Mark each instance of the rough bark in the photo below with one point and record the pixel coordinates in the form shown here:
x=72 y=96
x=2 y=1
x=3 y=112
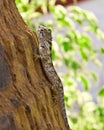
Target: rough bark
x=25 y=95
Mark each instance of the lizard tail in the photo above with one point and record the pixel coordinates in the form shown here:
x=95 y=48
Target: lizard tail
x=61 y=96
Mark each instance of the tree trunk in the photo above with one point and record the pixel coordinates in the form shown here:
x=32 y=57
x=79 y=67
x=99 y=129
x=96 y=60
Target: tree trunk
x=25 y=95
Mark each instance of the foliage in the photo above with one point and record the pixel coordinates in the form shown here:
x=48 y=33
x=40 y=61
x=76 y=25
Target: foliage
x=74 y=51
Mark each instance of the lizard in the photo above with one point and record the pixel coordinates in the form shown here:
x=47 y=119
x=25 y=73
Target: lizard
x=45 y=53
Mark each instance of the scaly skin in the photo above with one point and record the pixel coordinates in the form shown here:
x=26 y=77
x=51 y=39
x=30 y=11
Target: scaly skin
x=45 y=52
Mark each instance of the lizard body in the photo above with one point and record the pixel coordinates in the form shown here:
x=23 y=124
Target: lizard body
x=45 y=45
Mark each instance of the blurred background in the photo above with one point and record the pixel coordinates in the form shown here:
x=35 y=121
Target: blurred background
x=78 y=53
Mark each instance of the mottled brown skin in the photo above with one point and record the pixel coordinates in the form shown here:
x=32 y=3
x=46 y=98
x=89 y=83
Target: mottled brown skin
x=45 y=52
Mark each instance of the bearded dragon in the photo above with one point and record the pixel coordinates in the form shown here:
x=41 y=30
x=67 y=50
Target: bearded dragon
x=45 y=52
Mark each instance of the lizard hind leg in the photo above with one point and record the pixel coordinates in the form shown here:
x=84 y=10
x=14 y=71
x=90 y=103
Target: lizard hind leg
x=55 y=96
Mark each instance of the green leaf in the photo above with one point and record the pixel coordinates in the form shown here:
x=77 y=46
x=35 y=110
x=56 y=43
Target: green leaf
x=74 y=120
x=63 y=22
x=84 y=55
x=85 y=82
x=76 y=10
x=74 y=36
x=75 y=65
x=67 y=45
x=94 y=75
x=84 y=41
x=100 y=112
x=66 y=98
x=67 y=61
x=102 y=50
x=58 y=11
x=53 y=55
x=101 y=92
x=69 y=83
x=59 y=38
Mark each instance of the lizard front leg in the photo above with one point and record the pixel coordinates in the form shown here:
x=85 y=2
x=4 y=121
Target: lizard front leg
x=38 y=56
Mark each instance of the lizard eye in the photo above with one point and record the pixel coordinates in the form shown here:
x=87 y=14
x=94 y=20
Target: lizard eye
x=42 y=47
x=49 y=30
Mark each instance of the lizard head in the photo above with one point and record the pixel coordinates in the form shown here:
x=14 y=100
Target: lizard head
x=44 y=33
x=45 y=39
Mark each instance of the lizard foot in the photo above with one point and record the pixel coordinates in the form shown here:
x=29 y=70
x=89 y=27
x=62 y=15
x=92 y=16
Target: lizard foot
x=37 y=56
x=55 y=100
